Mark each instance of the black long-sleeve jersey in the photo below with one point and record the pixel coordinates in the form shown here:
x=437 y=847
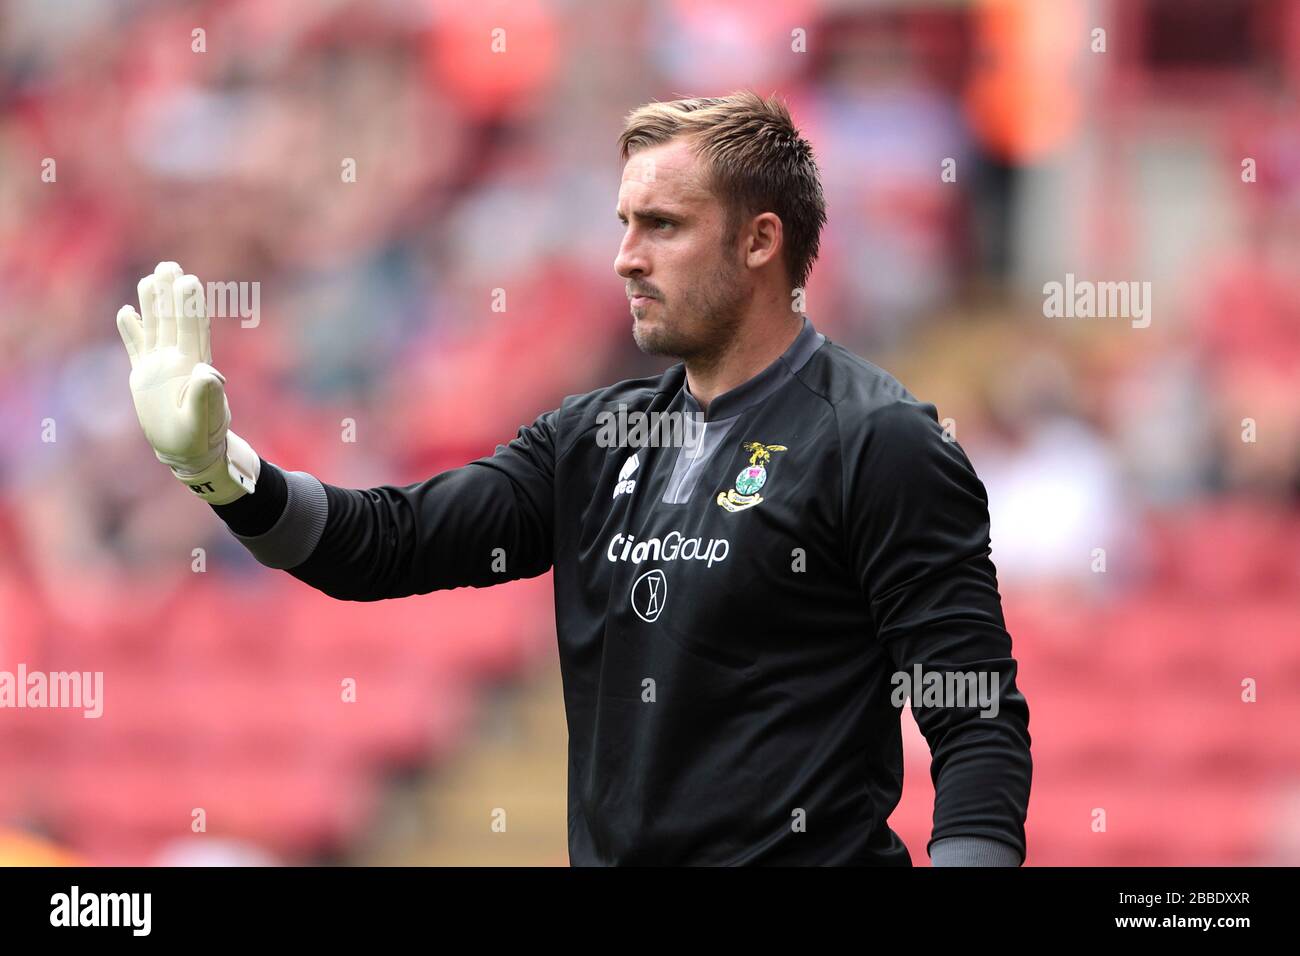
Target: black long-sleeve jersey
x=738 y=596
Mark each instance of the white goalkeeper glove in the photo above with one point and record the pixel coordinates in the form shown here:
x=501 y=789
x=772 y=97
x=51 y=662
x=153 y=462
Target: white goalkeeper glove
x=180 y=398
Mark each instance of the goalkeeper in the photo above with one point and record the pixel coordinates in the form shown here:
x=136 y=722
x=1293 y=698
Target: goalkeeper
x=740 y=618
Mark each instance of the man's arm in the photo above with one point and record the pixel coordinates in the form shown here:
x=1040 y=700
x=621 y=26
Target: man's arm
x=919 y=533
x=486 y=523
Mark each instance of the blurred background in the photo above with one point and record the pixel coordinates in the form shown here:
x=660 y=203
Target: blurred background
x=971 y=152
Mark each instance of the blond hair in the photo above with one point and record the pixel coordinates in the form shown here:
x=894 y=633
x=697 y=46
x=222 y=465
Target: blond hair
x=757 y=163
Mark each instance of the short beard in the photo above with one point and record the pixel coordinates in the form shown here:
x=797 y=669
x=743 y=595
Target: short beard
x=718 y=306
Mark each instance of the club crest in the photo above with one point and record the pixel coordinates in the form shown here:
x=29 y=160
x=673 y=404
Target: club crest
x=751 y=478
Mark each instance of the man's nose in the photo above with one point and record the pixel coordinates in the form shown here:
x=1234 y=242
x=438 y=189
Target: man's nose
x=630 y=261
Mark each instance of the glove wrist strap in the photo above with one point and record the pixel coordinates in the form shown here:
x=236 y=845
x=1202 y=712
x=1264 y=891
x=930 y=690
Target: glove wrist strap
x=233 y=474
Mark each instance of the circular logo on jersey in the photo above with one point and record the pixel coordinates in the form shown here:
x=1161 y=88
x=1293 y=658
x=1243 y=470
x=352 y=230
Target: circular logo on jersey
x=750 y=479
x=649 y=592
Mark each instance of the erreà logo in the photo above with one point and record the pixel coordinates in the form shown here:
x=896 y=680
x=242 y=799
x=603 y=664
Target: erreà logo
x=626 y=485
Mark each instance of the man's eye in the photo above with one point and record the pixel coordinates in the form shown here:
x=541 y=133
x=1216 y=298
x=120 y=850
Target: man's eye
x=660 y=223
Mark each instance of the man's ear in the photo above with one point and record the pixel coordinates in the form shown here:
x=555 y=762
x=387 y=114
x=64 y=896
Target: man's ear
x=765 y=236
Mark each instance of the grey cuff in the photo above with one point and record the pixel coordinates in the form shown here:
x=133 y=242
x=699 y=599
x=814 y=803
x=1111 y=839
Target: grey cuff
x=294 y=536
x=972 y=851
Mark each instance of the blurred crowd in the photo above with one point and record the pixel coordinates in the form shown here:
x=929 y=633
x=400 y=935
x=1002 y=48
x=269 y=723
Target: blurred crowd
x=382 y=168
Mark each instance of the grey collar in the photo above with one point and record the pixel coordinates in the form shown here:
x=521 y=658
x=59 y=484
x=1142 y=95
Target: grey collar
x=733 y=402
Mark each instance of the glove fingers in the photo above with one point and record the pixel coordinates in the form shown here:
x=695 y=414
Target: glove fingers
x=132 y=332
x=165 y=276
x=148 y=292
x=192 y=334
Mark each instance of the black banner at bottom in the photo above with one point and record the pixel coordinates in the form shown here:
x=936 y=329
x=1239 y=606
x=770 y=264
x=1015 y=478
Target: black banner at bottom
x=369 y=905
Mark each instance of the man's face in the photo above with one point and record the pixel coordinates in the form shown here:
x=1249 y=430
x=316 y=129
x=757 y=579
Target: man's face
x=687 y=291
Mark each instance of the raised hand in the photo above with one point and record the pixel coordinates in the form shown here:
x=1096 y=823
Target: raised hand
x=179 y=397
